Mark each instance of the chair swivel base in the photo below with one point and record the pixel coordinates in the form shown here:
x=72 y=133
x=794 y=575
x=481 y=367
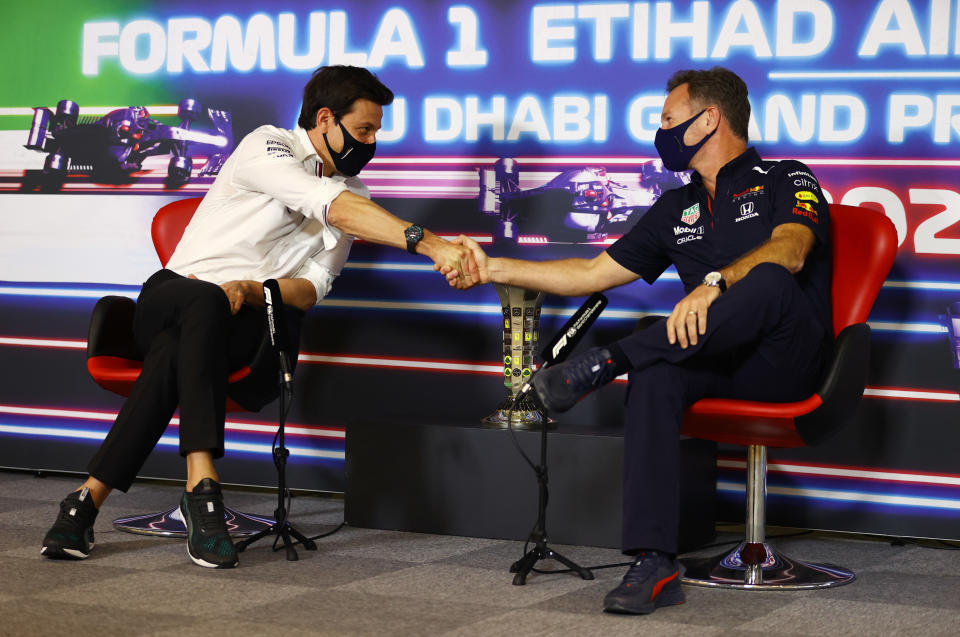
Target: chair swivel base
x=769 y=570
x=170 y=523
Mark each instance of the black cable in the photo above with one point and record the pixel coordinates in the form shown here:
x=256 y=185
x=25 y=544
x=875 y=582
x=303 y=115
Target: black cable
x=590 y=568
x=329 y=533
x=699 y=548
x=286 y=402
x=927 y=543
x=535 y=467
x=513 y=433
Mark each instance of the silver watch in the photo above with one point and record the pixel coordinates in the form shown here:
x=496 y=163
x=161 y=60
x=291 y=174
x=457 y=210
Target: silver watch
x=715 y=280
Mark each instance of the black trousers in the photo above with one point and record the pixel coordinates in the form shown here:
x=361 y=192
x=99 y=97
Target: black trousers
x=763 y=342
x=190 y=342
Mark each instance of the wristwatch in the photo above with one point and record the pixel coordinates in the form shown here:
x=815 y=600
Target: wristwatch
x=715 y=280
x=413 y=235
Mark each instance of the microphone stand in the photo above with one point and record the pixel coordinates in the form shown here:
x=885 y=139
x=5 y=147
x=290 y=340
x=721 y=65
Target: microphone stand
x=282 y=527
x=541 y=550
x=555 y=352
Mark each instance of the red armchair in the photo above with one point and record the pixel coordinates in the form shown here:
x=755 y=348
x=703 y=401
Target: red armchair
x=864 y=247
x=114 y=364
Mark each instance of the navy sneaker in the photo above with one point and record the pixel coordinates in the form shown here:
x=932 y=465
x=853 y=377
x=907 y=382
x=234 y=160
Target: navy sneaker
x=71 y=536
x=653 y=581
x=208 y=542
x=559 y=388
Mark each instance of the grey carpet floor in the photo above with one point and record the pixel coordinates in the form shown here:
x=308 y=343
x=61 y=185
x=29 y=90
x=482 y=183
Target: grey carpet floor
x=373 y=582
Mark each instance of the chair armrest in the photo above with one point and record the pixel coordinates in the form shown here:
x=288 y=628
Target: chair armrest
x=111 y=328
x=842 y=387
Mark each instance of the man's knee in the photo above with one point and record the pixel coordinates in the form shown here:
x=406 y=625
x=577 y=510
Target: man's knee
x=769 y=275
x=208 y=299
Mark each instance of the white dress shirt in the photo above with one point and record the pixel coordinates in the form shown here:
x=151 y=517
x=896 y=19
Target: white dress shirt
x=265 y=216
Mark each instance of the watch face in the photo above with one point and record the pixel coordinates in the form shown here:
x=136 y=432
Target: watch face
x=413 y=235
x=713 y=278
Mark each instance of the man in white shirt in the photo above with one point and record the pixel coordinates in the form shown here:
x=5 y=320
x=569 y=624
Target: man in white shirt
x=286 y=205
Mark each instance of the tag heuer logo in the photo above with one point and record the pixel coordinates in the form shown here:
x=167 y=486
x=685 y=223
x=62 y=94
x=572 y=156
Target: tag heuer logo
x=691 y=214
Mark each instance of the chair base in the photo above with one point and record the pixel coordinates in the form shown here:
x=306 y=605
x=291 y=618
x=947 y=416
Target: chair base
x=774 y=571
x=169 y=523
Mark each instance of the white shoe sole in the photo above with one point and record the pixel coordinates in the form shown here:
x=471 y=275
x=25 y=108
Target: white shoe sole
x=197 y=560
x=72 y=553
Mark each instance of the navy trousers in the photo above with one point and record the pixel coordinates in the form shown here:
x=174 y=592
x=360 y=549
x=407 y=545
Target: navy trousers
x=190 y=342
x=763 y=342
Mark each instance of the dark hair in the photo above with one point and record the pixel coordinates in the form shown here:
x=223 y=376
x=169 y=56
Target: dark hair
x=337 y=88
x=718 y=87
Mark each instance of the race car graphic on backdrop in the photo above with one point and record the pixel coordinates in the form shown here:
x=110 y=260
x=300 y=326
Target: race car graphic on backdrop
x=111 y=148
x=592 y=204
x=951 y=325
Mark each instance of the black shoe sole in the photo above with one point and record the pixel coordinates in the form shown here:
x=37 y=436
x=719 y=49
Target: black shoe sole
x=664 y=599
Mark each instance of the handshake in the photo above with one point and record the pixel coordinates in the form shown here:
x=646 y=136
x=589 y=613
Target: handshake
x=462 y=262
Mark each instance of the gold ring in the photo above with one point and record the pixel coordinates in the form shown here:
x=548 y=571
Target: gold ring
x=691 y=312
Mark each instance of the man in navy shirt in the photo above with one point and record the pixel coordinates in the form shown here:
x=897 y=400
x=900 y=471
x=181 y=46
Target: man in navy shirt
x=750 y=241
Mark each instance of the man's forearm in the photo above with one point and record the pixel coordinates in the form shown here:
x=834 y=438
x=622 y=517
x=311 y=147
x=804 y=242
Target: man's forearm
x=299 y=293
x=366 y=220
x=788 y=246
x=566 y=277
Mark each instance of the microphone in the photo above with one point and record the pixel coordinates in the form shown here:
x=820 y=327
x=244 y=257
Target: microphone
x=570 y=334
x=277 y=329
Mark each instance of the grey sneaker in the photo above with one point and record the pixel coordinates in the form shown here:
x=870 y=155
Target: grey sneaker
x=71 y=536
x=559 y=388
x=208 y=542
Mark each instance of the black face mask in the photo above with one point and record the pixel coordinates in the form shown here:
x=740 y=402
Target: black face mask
x=354 y=156
x=675 y=154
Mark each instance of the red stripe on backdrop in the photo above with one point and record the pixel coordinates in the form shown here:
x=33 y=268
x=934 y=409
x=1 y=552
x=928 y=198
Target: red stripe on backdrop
x=875 y=474
x=232 y=424
x=484 y=368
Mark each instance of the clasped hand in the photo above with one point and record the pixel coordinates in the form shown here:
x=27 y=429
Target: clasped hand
x=476 y=271
x=458 y=264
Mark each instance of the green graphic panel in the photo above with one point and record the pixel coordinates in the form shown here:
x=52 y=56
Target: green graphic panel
x=42 y=46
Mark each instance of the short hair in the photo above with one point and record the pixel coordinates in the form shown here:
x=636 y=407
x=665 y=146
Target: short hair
x=720 y=87
x=337 y=88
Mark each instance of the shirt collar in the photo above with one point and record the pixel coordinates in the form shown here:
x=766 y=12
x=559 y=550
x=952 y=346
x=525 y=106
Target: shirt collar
x=304 y=147
x=736 y=167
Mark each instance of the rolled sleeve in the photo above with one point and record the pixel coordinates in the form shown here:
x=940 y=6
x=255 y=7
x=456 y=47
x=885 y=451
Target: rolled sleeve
x=319 y=276
x=325 y=266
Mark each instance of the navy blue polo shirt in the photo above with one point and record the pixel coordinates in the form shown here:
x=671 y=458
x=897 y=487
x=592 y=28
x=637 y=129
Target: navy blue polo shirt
x=700 y=234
